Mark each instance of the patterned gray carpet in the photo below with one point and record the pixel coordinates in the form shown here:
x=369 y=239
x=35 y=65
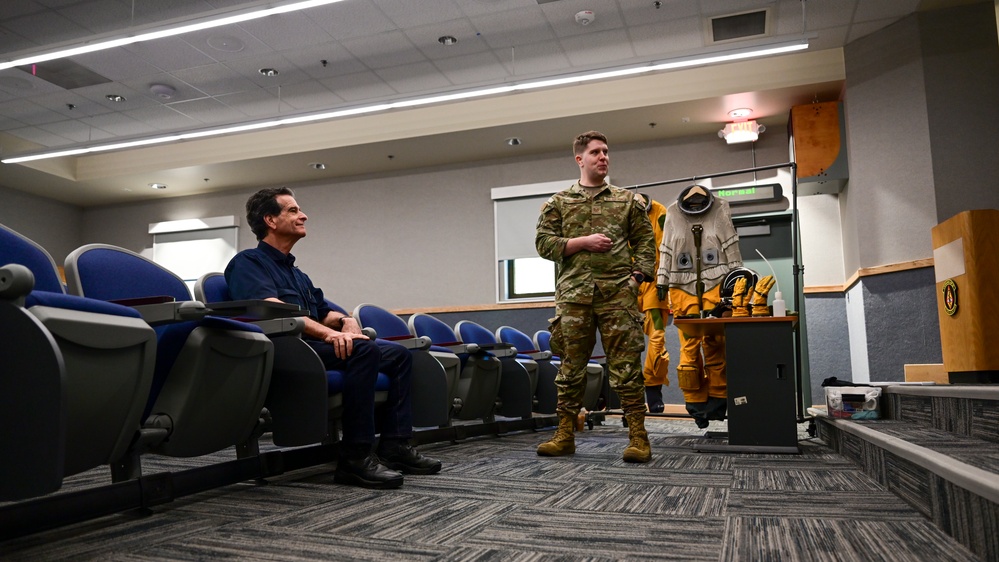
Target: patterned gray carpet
x=497 y=500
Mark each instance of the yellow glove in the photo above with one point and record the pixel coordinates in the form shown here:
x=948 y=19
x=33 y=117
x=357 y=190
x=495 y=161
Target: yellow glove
x=740 y=300
x=760 y=294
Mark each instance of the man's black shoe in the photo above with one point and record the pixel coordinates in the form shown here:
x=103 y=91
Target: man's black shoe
x=366 y=472
x=399 y=455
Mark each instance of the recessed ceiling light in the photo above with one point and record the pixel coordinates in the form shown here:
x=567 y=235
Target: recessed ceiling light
x=317 y=165
x=447 y=40
x=158 y=185
x=115 y=97
x=513 y=141
x=268 y=71
x=740 y=113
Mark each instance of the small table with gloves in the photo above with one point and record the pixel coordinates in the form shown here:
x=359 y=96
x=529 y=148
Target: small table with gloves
x=759 y=352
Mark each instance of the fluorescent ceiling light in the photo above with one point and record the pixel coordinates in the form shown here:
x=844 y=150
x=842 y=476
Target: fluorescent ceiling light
x=713 y=58
x=165 y=32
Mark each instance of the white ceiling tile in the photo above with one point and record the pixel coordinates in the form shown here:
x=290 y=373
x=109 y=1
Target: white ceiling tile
x=58 y=102
x=47 y=27
x=250 y=69
x=534 y=59
x=74 y=131
x=384 y=50
x=215 y=79
x=309 y=59
x=133 y=98
x=41 y=136
x=357 y=18
x=257 y=104
x=473 y=69
x=182 y=90
x=479 y=7
x=510 y=29
x=100 y=16
x=29 y=112
x=117 y=64
x=411 y=78
x=231 y=42
x=169 y=53
x=598 y=49
x=711 y=8
x=663 y=39
x=407 y=13
x=643 y=12
x=308 y=95
x=359 y=86
x=426 y=39
x=208 y=110
x=290 y=31
x=163 y=118
x=121 y=125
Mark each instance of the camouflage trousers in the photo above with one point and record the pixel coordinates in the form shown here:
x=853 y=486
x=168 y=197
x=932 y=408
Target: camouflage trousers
x=620 y=324
x=701 y=370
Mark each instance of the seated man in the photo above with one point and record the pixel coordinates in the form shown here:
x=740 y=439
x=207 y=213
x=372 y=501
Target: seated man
x=268 y=272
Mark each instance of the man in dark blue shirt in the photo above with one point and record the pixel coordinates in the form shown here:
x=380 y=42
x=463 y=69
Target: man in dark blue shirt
x=268 y=272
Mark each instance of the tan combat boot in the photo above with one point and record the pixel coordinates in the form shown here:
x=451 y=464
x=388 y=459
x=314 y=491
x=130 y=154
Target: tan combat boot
x=563 y=442
x=639 y=449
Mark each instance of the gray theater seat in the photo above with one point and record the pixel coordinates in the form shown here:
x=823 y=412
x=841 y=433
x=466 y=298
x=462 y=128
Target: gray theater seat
x=212 y=373
x=76 y=374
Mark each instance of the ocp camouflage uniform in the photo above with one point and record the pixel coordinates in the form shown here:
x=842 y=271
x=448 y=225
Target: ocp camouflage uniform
x=596 y=290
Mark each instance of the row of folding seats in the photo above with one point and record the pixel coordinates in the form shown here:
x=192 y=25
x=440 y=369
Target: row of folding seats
x=94 y=382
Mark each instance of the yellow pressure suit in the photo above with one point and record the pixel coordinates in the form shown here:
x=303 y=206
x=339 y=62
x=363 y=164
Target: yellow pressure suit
x=701 y=371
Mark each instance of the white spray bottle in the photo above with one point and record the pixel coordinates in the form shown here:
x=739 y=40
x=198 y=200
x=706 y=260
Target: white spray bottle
x=780 y=308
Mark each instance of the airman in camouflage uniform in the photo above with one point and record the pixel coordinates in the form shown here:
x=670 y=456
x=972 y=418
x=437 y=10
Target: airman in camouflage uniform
x=603 y=246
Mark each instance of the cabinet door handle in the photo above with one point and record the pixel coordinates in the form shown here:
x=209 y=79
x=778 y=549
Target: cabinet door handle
x=780 y=371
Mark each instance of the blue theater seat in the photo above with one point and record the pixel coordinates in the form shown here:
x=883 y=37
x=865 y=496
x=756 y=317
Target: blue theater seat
x=436 y=370
x=594 y=371
x=212 y=373
x=297 y=398
x=519 y=378
x=476 y=392
x=75 y=378
x=546 y=395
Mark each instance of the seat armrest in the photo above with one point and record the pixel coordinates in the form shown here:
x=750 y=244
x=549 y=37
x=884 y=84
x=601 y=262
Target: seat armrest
x=257 y=309
x=538 y=355
x=16 y=281
x=499 y=349
x=411 y=342
x=294 y=326
x=170 y=312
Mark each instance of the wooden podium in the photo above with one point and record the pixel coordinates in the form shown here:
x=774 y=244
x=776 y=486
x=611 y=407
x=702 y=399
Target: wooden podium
x=966 y=263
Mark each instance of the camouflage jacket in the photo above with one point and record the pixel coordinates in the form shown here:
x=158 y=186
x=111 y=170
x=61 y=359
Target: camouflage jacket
x=613 y=212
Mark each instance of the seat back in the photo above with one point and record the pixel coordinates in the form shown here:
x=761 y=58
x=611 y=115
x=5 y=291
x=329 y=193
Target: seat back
x=516 y=338
x=211 y=287
x=542 y=340
x=15 y=248
x=428 y=326
x=385 y=323
x=106 y=272
x=105 y=355
x=211 y=375
x=470 y=332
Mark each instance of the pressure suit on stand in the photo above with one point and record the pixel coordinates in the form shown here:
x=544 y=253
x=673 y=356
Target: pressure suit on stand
x=699 y=248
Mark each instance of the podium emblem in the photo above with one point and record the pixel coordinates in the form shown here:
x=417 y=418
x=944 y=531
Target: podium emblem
x=950 y=297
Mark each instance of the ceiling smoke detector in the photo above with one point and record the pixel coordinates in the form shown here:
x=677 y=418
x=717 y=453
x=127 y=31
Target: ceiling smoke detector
x=163 y=91
x=585 y=17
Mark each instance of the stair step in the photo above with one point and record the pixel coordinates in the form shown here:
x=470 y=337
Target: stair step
x=971 y=411
x=951 y=477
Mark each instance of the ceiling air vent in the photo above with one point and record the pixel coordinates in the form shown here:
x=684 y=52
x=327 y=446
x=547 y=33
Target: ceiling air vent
x=738 y=26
